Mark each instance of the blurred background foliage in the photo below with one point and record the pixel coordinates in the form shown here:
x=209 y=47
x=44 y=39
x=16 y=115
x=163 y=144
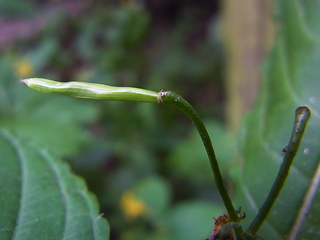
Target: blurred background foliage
x=145 y=163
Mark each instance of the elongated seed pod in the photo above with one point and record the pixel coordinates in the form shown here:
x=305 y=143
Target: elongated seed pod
x=97 y=91
x=92 y=90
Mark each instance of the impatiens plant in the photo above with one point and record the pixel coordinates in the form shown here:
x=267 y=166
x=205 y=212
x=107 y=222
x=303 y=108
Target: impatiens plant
x=231 y=226
x=41 y=199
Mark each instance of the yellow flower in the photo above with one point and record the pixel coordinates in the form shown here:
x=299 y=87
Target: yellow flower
x=23 y=68
x=132 y=206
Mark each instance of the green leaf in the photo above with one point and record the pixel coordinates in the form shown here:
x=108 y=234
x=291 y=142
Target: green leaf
x=16 y=8
x=190 y=160
x=154 y=192
x=291 y=78
x=192 y=220
x=41 y=199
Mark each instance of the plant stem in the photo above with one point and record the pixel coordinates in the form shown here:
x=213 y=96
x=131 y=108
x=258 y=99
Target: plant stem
x=301 y=119
x=171 y=98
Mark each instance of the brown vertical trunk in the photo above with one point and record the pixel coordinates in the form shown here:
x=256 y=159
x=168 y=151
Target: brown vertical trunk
x=248 y=33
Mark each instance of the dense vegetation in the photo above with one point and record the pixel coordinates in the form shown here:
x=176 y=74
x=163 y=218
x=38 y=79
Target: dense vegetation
x=145 y=163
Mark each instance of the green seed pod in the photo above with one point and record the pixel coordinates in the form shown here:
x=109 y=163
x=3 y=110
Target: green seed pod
x=92 y=90
x=98 y=91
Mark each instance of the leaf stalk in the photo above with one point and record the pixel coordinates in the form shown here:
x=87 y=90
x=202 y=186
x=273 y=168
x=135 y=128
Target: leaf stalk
x=302 y=116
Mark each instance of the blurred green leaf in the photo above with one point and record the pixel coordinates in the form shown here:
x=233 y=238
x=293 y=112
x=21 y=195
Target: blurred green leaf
x=64 y=140
x=192 y=220
x=127 y=30
x=189 y=158
x=130 y=25
x=16 y=8
x=154 y=192
x=291 y=79
x=41 y=55
x=41 y=199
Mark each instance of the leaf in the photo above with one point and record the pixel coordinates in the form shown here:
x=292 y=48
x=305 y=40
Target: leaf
x=192 y=220
x=189 y=158
x=16 y=8
x=41 y=199
x=291 y=78
x=154 y=192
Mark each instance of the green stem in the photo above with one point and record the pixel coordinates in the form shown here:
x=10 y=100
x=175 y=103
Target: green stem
x=176 y=100
x=301 y=119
